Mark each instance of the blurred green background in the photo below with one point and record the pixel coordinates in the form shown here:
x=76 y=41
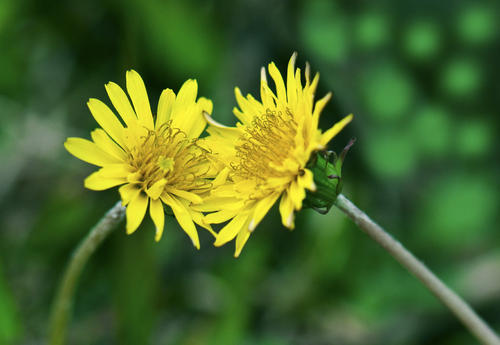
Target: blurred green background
x=421 y=78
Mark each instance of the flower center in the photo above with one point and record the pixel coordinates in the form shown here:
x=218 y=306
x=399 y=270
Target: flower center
x=166 y=153
x=266 y=145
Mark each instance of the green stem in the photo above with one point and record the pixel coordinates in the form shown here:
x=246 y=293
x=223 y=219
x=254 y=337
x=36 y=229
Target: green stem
x=449 y=298
x=64 y=299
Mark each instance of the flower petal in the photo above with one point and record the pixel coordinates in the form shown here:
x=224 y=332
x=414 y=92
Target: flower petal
x=191 y=197
x=183 y=217
x=121 y=103
x=261 y=210
x=278 y=81
x=102 y=139
x=286 y=211
x=107 y=120
x=136 y=210
x=241 y=239
x=128 y=192
x=137 y=92
x=329 y=134
x=88 y=152
x=156 y=189
x=307 y=180
x=98 y=181
x=297 y=194
x=158 y=216
x=165 y=105
x=230 y=231
x=290 y=81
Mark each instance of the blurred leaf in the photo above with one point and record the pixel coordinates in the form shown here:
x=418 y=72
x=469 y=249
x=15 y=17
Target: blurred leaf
x=180 y=36
x=10 y=325
x=135 y=286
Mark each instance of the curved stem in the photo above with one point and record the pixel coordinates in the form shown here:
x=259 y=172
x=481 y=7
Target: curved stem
x=449 y=298
x=64 y=299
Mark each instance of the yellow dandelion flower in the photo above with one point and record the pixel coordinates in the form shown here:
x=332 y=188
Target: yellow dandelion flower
x=266 y=154
x=154 y=160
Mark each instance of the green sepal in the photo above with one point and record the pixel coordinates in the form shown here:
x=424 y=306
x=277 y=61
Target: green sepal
x=326 y=167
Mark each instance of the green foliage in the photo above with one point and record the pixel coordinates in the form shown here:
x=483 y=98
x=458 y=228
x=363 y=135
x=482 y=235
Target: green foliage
x=422 y=81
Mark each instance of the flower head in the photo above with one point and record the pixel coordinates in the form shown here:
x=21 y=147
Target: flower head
x=155 y=161
x=266 y=154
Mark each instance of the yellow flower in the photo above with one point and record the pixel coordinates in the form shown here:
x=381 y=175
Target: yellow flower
x=155 y=160
x=266 y=154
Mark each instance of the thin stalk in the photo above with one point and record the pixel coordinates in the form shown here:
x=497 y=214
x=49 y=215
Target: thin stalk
x=63 y=302
x=449 y=298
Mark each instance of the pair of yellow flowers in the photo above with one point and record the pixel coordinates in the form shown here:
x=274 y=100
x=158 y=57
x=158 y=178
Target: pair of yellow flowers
x=234 y=174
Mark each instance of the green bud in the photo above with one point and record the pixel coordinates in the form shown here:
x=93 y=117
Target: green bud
x=326 y=167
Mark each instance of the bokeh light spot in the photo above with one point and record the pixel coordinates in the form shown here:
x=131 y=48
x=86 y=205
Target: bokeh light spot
x=477 y=24
x=432 y=130
x=474 y=138
x=372 y=30
x=324 y=31
x=462 y=77
x=387 y=92
x=460 y=210
x=391 y=154
x=422 y=40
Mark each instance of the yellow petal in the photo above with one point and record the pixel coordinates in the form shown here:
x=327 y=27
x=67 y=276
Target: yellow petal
x=278 y=81
x=241 y=239
x=198 y=122
x=220 y=216
x=158 y=216
x=199 y=219
x=88 y=152
x=286 y=211
x=136 y=209
x=121 y=103
x=156 y=189
x=221 y=178
x=318 y=107
x=120 y=170
x=102 y=139
x=247 y=113
x=261 y=210
x=191 y=197
x=185 y=97
x=290 y=82
x=135 y=177
x=107 y=120
x=98 y=181
x=165 y=105
x=329 y=134
x=205 y=104
x=230 y=231
x=128 y=192
x=297 y=194
x=137 y=92
x=211 y=204
x=183 y=217
x=307 y=180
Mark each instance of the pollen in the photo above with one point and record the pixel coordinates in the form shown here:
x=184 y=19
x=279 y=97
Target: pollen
x=166 y=163
x=167 y=154
x=265 y=146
